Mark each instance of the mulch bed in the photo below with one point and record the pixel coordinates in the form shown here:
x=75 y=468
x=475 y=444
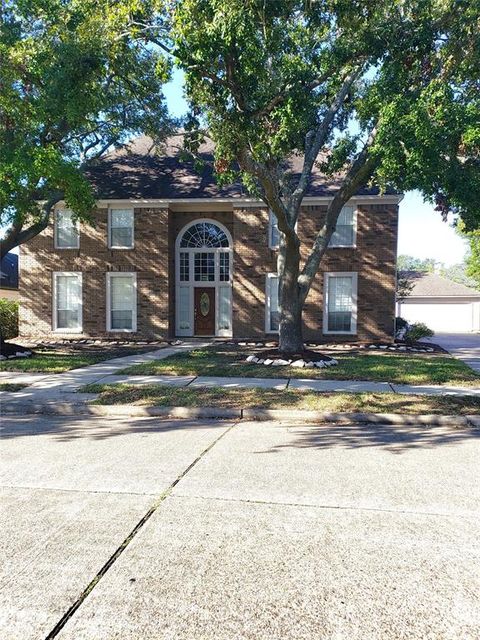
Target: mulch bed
x=308 y=355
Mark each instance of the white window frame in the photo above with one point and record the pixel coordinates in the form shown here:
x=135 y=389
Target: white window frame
x=340 y=274
x=268 y=284
x=109 y=232
x=354 y=225
x=272 y=218
x=79 y=328
x=55 y=231
x=110 y=276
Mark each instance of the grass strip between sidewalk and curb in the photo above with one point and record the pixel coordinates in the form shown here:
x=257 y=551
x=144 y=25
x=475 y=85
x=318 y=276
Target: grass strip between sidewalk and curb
x=220 y=398
x=398 y=368
x=12 y=386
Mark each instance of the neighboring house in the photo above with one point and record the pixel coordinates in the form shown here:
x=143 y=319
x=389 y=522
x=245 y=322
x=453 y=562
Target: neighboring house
x=443 y=305
x=9 y=277
x=173 y=254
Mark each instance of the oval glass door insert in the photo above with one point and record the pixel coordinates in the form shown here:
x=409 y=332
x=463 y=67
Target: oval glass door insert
x=204 y=304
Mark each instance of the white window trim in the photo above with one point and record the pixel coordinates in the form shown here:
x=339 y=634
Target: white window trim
x=55 y=275
x=55 y=232
x=268 y=280
x=354 y=243
x=114 y=274
x=109 y=231
x=191 y=283
x=335 y=274
x=271 y=217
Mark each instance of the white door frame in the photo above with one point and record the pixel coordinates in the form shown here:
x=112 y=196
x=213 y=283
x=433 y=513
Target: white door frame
x=191 y=284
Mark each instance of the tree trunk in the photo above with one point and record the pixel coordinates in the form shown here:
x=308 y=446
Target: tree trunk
x=291 y=304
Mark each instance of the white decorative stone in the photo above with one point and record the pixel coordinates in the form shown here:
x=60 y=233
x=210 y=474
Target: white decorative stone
x=298 y=363
x=429 y=349
x=252 y=359
x=242 y=344
x=268 y=361
x=280 y=362
x=309 y=365
x=3 y=357
x=260 y=361
x=402 y=348
x=320 y=364
x=21 y=354
x=383 y=346
x=333 y=362
x=372 y=346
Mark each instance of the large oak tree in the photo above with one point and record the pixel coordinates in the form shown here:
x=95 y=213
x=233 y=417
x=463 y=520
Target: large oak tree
x=383 y=92
x=76 y=78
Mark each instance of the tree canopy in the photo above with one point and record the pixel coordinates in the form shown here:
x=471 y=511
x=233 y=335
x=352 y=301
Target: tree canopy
x=382 y=92
x=76 y=77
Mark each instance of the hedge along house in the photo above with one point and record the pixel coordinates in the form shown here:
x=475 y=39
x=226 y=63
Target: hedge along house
x=172 y=254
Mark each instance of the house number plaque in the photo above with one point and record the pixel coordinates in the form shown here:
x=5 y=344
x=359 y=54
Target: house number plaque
x=204 y=304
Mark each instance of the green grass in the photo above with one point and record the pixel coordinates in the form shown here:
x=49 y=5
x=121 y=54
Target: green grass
x=399 y=368
x=10 y=386
x=157 y=395
x=58 y=360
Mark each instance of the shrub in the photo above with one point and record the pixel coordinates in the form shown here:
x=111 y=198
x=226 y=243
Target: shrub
x=8 y=318
x=417 y=331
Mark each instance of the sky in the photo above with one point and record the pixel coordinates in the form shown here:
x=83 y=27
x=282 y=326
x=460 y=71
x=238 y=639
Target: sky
x=421 y=233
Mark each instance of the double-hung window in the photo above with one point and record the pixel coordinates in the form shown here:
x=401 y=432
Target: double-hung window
x=67 y=234
x=272 y=313
x=273 y=232
x=340 y=303
x=345 y=230
x=67 y=302
x=121 y=301
x=120 y=228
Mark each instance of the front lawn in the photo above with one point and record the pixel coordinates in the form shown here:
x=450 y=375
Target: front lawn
x=11 y=386
x=362 y=365
x=65 y=358
x=157 y=395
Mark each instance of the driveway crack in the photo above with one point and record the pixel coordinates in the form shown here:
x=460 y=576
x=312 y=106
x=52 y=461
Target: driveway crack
x=121 y=548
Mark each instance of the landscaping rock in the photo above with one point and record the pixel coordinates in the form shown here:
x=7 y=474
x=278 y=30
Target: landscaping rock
x=320 y=364
x=372 y=346
x=298 y=363
x=309 y=365
x=268 y=361
x=252 y=359
x=3 y=357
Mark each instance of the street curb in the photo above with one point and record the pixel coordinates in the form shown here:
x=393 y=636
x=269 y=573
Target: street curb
x=254 y=414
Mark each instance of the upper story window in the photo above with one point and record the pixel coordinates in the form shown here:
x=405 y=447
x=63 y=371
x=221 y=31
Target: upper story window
x=67 y=302
x=120 y=228
x=67 y=234
x=345 y=232
x=273 y=232
x=204 y=235
x=340 y=303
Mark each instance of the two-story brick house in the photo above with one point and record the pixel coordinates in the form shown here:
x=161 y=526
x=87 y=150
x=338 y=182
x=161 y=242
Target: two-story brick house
x=172 y=254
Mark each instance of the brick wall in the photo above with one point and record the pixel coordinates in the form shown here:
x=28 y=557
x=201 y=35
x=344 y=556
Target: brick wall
x=149 y=259
x=153 y=259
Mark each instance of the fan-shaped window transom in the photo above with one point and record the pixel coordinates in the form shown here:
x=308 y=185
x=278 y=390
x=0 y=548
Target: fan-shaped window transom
x=204 y=234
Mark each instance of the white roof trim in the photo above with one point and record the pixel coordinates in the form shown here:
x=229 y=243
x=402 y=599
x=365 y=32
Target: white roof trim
x=236 y=202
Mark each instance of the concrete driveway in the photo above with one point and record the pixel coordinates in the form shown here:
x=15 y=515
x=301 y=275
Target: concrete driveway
x=150 y=530
x=464 y=346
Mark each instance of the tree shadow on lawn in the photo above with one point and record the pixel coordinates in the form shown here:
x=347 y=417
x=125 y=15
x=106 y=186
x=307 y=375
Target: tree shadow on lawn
x=66 y=428
x=396 y=439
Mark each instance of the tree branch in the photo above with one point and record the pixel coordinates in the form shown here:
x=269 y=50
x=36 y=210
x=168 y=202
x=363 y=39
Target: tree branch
x=360 y=171
x=315 y=140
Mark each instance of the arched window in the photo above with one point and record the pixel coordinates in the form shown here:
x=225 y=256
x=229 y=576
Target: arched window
x=204 y=234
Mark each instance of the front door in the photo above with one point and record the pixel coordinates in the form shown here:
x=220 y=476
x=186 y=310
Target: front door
x=204 y=311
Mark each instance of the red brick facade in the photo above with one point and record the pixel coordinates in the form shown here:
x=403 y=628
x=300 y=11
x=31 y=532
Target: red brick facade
x=153 y=260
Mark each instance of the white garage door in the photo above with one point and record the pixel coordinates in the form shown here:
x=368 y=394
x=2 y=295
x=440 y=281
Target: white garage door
x=448 y=317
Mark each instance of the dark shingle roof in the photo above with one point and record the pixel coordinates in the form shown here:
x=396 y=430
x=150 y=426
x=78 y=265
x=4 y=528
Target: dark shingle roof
x=140 y=172
x=9 y=271
x=431 y=285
